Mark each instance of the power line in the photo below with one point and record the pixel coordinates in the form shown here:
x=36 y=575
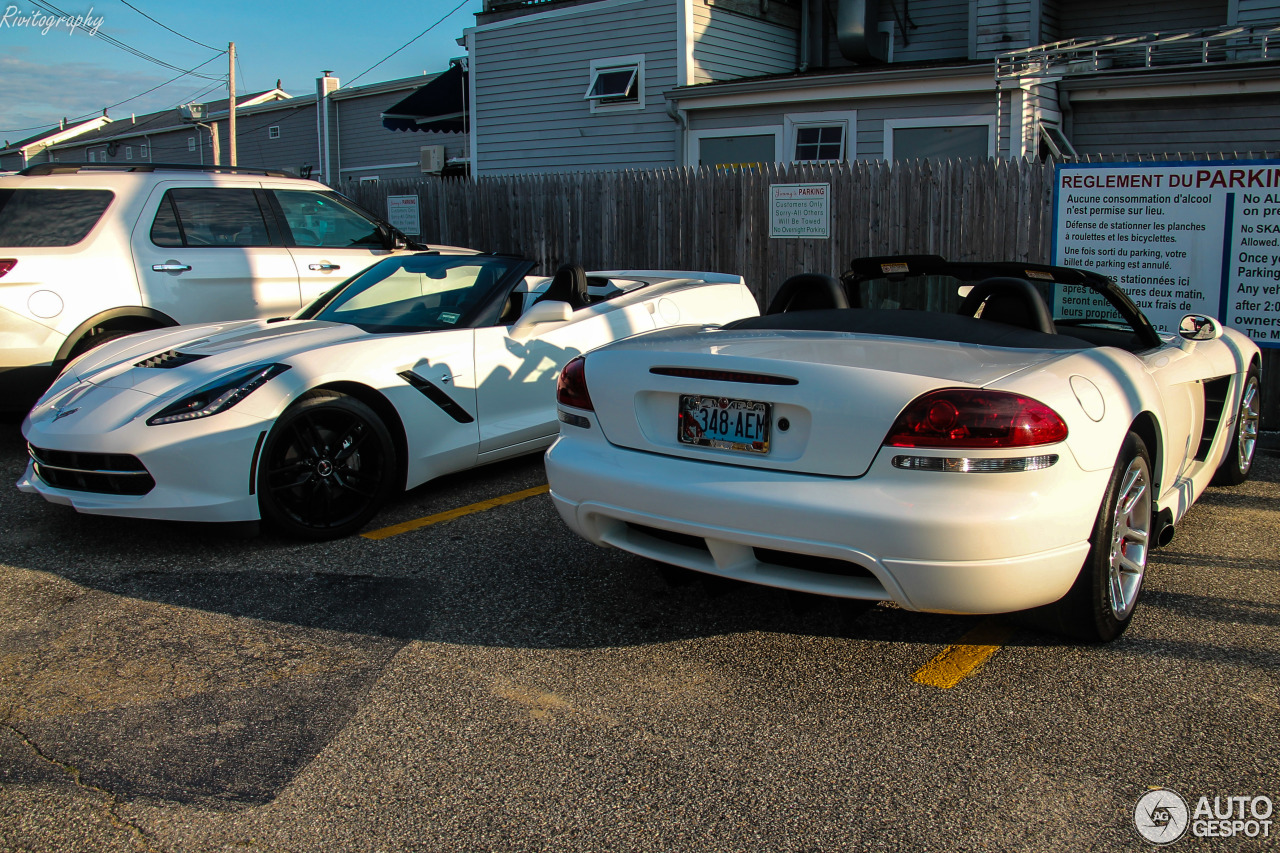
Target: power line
x=127 y=100
x=170 y=29
x=113 y=41
x=406 y=44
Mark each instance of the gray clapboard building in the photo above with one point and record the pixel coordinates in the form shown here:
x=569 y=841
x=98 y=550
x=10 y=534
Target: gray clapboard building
x=567 y=85
x=278 y=131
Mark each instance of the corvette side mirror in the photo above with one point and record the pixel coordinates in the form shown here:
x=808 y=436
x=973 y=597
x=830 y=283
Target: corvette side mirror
x=546 y=312
x=1196 y=327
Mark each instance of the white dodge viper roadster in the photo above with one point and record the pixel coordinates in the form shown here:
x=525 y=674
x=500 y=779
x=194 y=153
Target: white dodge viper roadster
x=421 y=365
x=978 y=454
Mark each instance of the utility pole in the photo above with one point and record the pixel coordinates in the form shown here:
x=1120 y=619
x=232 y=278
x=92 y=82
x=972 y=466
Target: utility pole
x=231 y=88
x=213 y=141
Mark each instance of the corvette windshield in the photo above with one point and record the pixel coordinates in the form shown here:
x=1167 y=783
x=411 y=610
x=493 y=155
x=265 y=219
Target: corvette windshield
x=415 y=293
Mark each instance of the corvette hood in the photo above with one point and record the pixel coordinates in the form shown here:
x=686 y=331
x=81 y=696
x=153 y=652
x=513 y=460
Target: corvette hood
x=832 y=396
x=161 y=362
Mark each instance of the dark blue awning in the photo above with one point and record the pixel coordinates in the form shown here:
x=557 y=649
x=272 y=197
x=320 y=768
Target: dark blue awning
x=439 y=106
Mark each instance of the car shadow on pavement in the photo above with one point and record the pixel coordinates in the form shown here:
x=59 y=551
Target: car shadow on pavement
x=169 y=661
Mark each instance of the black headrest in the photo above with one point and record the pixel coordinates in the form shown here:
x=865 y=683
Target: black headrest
x=808 y=292
x=568 y=285
x=1012 y=301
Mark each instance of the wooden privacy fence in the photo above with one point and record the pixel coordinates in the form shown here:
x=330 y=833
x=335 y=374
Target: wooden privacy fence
x=718 y=219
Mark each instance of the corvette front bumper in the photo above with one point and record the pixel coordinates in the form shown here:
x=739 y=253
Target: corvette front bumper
x=203 y=469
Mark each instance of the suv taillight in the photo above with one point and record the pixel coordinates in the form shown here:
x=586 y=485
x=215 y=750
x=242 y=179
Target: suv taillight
x=7 y=264
x=963 y=417
x=571 y=387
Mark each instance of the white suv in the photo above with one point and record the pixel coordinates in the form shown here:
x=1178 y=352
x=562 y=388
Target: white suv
x=92 y=252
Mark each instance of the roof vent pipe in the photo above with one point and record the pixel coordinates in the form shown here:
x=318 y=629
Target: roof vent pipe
x=857 y=31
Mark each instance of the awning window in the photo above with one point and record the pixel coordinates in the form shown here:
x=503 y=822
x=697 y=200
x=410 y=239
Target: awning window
x=613 y=85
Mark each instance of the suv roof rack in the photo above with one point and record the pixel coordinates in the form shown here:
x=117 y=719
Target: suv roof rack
x=71 y=168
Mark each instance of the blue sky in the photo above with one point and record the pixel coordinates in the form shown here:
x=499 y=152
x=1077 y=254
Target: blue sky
x=45 y=76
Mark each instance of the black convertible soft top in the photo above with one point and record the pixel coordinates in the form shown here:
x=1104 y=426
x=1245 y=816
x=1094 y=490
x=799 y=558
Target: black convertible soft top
x=1004 y=307
x=911 y=324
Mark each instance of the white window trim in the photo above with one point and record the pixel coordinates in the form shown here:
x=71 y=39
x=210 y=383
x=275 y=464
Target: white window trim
x=892 y=124
x=635 y=60
x=273 y=132
x=128 y=152
x=1065 y=151
x=191 y=143
x=793 y=121
x=695 y=137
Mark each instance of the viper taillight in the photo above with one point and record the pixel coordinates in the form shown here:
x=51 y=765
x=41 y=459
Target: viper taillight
x=571 y=387
x=964 y=417
x=7 y=264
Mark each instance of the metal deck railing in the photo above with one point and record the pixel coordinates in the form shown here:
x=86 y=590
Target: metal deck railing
x=1125 y=53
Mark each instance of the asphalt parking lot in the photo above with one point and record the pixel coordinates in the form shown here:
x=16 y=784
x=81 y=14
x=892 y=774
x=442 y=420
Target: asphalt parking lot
x=488 y=682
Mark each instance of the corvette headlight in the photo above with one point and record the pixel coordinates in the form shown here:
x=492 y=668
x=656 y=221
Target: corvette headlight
x=217 y=396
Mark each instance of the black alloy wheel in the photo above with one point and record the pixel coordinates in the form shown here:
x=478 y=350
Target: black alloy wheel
x=327 y=467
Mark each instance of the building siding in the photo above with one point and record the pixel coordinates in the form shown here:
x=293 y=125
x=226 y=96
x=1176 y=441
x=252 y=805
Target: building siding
x=1106 y=17
x=1000 y=25
x=941 y=31
x=1176 y=125
x=872 y=114
x=529 y=78
x=1252 y=12
x=728 y=46
x=366 y=148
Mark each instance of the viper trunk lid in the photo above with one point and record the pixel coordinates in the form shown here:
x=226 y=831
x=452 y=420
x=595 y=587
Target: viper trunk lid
x=808 y=402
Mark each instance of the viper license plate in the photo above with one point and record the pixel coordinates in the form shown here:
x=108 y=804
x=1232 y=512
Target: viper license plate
x=724 y=423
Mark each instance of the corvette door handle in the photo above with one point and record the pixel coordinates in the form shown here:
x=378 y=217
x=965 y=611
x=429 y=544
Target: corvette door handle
x=325 y=267
x=171 y=266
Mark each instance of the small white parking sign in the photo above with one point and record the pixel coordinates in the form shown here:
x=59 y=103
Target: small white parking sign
x=800 y=211
x=402 y=213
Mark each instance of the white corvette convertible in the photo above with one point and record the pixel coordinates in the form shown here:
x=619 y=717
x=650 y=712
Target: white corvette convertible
x=974 y=455
x=421 y=365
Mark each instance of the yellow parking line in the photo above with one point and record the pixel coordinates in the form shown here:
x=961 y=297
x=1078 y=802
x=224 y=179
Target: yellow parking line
x=450 y=515
x=960 y=660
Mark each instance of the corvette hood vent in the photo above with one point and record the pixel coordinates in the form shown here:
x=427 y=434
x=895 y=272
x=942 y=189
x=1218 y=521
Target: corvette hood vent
x=168 y=359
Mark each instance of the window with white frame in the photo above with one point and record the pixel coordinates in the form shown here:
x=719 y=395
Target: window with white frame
x=273 y=132
x=1055 y=142
x=128 y=152
x=191 y=143
x=616 y=84
x=820 y=137
x=735 y=146
x=939 y=138
x=142 y=151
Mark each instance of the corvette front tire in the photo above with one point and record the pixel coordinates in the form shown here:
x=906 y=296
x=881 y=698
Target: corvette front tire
x=326 y=468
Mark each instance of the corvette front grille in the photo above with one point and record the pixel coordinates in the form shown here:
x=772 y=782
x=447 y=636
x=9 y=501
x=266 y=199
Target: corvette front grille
x=104 y=473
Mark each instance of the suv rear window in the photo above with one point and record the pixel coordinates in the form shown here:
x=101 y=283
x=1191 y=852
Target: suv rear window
x=216 y=216
x=49 y=217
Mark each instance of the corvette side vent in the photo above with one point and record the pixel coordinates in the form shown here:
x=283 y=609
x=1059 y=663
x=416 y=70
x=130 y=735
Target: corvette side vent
x=170 y=358
x=724 y=376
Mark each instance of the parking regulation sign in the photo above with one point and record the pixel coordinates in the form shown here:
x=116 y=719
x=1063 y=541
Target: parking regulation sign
x=1179 y=238
x=800 y=211
x=402 y=212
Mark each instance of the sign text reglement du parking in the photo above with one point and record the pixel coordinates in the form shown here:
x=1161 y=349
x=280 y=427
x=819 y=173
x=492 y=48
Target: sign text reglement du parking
x=1200 y=237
